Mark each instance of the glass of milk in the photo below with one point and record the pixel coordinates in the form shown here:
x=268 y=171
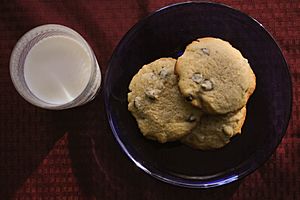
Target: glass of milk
x=53 y=67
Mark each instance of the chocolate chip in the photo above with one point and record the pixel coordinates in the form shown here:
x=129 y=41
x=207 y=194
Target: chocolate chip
x=189 y=98
x=152 y=93
x=191 y=118
x=207 y=85
x=205 y=51
x=163 y=73
x=197 y=78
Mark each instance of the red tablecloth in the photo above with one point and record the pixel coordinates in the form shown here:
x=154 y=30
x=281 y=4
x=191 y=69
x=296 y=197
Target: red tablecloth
x=36 y=154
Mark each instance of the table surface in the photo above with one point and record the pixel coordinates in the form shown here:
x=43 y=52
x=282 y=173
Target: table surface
x=46 y=154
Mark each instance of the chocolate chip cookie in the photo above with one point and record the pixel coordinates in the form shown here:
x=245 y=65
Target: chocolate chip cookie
x=214 y=76
x=160 y=110
x=215 y=131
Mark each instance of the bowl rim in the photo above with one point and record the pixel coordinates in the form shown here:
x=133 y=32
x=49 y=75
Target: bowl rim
x=180 y=181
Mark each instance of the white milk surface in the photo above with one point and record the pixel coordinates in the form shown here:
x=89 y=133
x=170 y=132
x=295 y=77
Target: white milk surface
x=57 y=69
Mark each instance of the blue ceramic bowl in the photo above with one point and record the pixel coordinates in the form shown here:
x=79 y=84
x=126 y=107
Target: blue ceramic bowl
x=166 y=33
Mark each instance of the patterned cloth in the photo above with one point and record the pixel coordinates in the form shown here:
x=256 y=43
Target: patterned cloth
x=44 y=153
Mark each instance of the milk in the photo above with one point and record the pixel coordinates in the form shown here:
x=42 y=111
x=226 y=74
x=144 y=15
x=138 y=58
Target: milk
x=57 y=69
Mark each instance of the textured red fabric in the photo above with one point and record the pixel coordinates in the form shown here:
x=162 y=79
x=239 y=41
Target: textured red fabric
x=38 y=161
x=54 y=177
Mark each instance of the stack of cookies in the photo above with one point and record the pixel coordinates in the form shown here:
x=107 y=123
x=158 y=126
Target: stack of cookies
x=199 y=99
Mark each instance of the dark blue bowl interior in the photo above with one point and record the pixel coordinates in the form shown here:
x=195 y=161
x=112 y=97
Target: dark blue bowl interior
x=166 y=34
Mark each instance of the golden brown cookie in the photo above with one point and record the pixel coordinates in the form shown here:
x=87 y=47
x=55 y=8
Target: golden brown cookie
x=159 y=108
x=215 y=131
x=215 y=76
